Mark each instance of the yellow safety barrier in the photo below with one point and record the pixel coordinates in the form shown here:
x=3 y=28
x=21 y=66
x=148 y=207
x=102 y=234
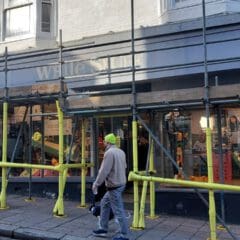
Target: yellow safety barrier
x=211 y=186
x=214 y=186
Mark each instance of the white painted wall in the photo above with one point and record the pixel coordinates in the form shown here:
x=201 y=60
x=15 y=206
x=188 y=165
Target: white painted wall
x=85 y=18
x=90 y=17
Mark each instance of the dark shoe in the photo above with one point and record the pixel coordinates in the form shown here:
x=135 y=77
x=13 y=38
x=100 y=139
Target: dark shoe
x=100 y=233
x=120 y=238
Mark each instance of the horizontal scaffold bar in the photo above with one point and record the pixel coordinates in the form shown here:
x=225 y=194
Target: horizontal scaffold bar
x=78 y=165
x=54 y=168
x=213 y=186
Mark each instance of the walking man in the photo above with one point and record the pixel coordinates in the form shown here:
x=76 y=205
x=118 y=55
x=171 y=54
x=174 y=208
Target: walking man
x=113 y=172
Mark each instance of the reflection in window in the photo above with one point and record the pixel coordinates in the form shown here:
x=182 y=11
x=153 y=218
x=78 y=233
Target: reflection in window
x=18 y=21
x=46 y=16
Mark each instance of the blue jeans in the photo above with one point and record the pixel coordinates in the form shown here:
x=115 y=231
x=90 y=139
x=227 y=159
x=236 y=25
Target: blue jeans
x=113 y=199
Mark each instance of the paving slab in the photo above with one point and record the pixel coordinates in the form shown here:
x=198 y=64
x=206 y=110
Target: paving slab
x=35 y=221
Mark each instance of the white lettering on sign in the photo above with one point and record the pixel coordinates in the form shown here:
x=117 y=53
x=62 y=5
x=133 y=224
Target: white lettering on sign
x=81 y=68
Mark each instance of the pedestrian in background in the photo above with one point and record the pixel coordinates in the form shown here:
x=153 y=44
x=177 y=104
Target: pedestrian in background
x=113 y=172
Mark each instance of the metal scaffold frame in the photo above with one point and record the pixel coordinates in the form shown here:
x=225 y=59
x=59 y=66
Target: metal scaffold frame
x=61 y=167
x=146 y=177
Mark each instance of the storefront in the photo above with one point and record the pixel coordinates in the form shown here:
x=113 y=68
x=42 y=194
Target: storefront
x=181 y=131
x=170 y=100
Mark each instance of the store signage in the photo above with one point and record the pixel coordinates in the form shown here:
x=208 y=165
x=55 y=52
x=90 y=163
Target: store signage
x=83 y=68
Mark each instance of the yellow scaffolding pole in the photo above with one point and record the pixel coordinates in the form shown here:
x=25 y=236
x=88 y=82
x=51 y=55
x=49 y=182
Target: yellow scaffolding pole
x=135 y=169
x=152 y=184
x=209 y=185
x=141 y=223
x=3 y=198
x=192 y=184
x=59 y=206
x=54 y=168
x=212 y=207
x=84 y=170
x=61 y=168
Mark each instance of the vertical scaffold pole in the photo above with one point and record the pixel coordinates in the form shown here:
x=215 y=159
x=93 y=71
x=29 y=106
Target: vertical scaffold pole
x=30 y=155
x=152 y=184
x=3 y=197
x=212 y=207
x=134 y=125
x=59 y=207
x=141 y=222
x=83 y=172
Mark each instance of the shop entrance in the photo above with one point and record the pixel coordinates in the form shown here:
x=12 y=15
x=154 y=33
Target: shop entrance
x=121 y=127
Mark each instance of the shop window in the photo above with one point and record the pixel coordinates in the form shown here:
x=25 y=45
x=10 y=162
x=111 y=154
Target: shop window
x=18 y=18
x=177 y=126
x=119 y=126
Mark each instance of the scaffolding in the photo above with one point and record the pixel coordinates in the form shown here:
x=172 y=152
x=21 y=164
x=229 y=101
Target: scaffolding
x=82 y=104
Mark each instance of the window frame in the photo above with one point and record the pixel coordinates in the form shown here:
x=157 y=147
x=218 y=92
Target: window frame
x=31 y=21
x=166 y=5
x=50 y=3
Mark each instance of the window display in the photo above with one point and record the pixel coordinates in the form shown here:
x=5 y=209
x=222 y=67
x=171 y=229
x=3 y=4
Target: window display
x=182 y=133
x=186 y=140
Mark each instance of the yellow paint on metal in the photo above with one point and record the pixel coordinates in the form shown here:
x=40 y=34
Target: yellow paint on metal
x=26 y=165
x=59 y=206
x=152 y=184
x=135 y=169
x=215 y=186
x=84 y=170
x=3 y=197
x=78 y=165
x=141 y=223
x=212 y=207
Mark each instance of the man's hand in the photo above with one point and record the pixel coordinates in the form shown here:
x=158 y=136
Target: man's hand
x=94 y=189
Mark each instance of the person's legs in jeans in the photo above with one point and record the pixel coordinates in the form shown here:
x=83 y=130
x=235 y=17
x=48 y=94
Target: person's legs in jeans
x=105 y=211
x=116 y=201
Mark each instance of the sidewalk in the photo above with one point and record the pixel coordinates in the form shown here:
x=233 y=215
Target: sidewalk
x=34 y=220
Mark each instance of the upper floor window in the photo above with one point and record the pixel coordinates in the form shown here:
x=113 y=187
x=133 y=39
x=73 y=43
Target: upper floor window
x=12 y=3
x=46 y=16
x=18 y=17
x=166 y=5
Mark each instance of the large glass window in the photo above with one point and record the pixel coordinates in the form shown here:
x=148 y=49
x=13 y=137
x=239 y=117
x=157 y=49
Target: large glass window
x=18 y=20
x=184 y=135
